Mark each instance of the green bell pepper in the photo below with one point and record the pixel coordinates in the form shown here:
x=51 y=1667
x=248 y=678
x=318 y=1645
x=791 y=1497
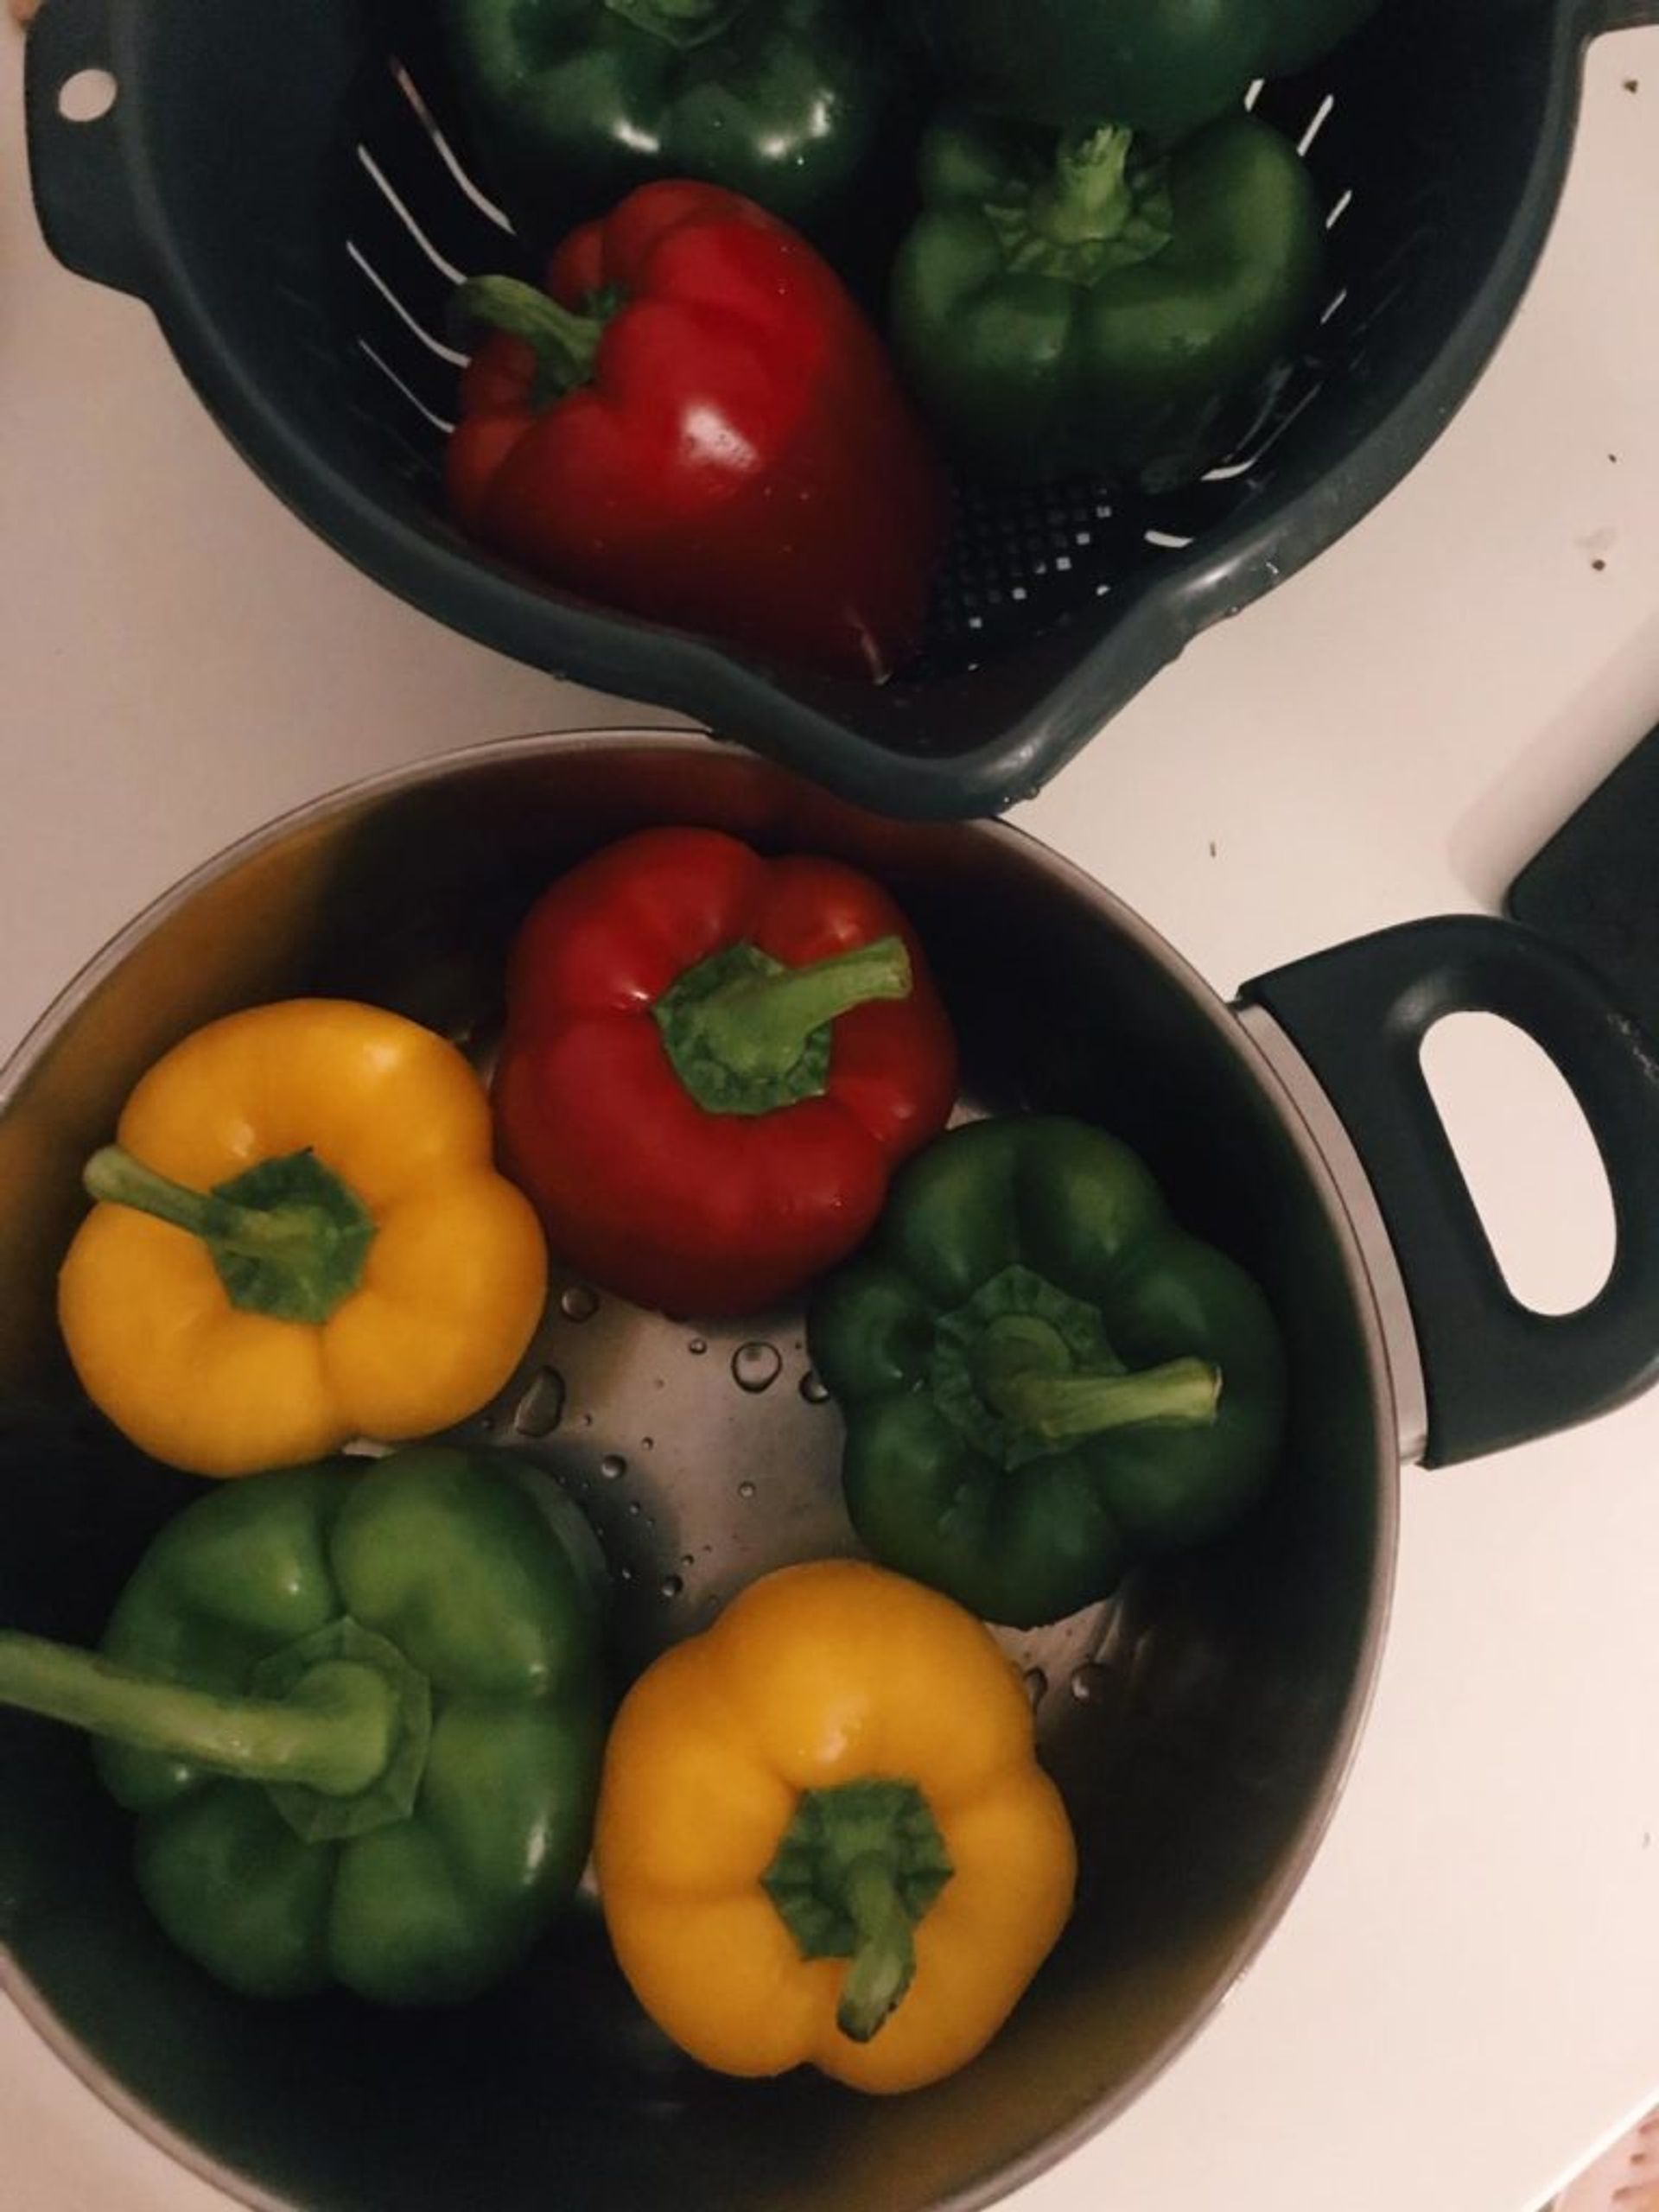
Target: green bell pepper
x=359 y=1716
x=1162 y=66
x=1042 y=1376
x=1092 y=306
x=800 y=104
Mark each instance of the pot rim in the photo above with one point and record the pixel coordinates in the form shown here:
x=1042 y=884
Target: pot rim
x=20 y=1989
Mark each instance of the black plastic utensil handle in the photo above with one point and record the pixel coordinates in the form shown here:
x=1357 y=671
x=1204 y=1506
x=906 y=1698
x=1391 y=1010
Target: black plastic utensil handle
x=1619 y=15
x=1496 y=1372
x=82 y=185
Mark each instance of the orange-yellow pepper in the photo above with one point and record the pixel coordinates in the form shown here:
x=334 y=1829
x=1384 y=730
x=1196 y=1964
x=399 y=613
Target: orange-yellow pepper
x=301 y=1238
x=824 y=1837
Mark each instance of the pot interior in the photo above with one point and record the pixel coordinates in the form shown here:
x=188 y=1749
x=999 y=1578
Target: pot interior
x=1197 y=1722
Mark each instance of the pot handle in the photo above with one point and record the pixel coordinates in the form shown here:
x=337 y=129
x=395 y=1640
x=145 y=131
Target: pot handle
x=1496 y=1372
x=78 y=170
x=1619 y=15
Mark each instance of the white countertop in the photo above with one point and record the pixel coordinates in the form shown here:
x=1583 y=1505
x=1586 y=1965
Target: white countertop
x=1464 y=2000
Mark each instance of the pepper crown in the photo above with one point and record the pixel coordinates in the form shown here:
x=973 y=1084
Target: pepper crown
x=1101 y=207
x=746 y=1034
x=288 y=1237
x=858 y=1867
x=1023 y=1367
x=337 y=1726
x=565 y=343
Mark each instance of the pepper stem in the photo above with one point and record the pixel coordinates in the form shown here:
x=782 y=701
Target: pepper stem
x=884 y=1963
x=1181 y=1394
x=859 y=1865
x=334 y=1732
x=565 y=344
x=1100 y=204
x=1087 y=196
x=288 y=1237
x=746 y=1035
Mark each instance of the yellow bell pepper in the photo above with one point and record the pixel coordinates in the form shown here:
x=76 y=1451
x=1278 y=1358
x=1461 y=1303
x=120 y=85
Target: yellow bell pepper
x=301 y=1238
x=824 y=1837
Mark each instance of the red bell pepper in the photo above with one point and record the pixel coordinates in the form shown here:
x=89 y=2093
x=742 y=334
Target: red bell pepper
x=698 y=425
x=713 y=1063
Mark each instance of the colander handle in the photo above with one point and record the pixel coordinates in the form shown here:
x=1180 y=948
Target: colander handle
x=79 y=170
x=1495 y=1371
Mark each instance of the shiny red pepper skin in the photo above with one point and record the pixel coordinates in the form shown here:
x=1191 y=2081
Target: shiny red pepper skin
x=642 y=1189
x=741 y=461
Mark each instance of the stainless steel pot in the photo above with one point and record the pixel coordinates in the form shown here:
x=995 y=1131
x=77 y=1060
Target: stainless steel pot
x=1201 y=1722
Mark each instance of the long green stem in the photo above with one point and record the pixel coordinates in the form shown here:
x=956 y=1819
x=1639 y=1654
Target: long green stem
x=758 y=1025
x=334 y=1732
x=288 y=1237
x=565 y=344
x=884 y=1963
x=1059 y=1408
x=114 y=1176
x=746 y=1035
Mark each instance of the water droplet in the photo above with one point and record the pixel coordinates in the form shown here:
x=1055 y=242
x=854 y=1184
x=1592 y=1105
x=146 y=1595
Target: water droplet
x=647 y=1443
x=697 y=1347
x=1036 y=1685
x=672 y=1586
x=813 y=1387
x=686 y=1560
x=625 y=1574
x=587 y=1421
x=634 y=1506
x=746 y=1489
x=578 y=1303
x=612 y=1466
x=756 y=1366
x=486 y=1422
x=541 y=1407
x=1089 y=1683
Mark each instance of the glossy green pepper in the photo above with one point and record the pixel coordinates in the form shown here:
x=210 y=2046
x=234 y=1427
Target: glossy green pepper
x=1162 y=66
x=1042 y=1376
x=800 y=104
x=356 y=1709
x=1086 y=304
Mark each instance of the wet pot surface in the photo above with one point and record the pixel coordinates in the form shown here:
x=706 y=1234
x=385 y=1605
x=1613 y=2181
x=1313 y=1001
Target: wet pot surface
x=1198 y=1722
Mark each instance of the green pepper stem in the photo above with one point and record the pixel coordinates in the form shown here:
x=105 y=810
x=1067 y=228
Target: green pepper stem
x=756 y=1027
x=1088 y=194
x=565 y=344
x=287 y=1237
x=883 y=1962
x=118 y=1178
x=859 y=1864
x=335 y=1731
x=1181 y=1394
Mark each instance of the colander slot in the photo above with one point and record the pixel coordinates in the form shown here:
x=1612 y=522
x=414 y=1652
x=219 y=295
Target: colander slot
x=1338 y=207
x=1316 y=122
x=441 y=422
x=439 y=346
x=378 y=177
x=445 y=153
x=425 y=179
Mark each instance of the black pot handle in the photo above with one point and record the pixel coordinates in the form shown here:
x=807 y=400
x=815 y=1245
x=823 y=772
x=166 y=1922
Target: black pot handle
x=1619 y=15
x=78 y=170
x=1495 y=1371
